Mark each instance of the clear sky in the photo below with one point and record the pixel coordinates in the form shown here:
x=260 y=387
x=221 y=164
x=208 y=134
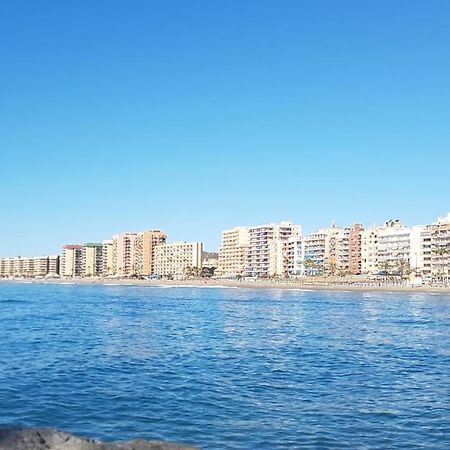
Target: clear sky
x=194 y=116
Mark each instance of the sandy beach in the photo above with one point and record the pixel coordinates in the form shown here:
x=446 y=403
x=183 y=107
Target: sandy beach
x=243 y=284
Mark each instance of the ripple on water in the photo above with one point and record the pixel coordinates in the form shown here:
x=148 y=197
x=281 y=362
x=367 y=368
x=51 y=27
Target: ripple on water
x=227 y=368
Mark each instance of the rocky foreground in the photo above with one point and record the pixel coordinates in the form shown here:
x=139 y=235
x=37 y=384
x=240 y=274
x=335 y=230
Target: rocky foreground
x=46 y=439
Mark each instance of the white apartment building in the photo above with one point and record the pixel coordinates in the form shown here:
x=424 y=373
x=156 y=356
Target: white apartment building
x=386 y=249
x=420 y=251
x=393 y=246
x=178 y=258
x=265 y=248
x=292 y=259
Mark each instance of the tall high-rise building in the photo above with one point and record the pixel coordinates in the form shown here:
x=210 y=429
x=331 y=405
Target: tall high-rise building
x=146 y=243
x=292 y=258
x=420 y=251
x=71 y=261
x=108 y=262
x=354 y=242
x=134 y=253
x=124 y=254
x=369 y=250
x=393 y=246
x=265 y=248
x=440 y=248
x=92 y=259
x=327 y=251
x=233 y=252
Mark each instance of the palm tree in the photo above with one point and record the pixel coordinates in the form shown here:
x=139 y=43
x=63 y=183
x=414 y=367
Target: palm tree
x=310 y=266
x=403 y=267
x=331 y=268
x=385 y=267
x=441 y=252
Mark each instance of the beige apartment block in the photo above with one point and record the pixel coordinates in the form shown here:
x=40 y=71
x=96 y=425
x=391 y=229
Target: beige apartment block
x=369 y=250
x=337 y=248
x=232 y=259
x=146 y=243
x=29 y=267
x=394 y=246
x=134 y=253
x=440 y=248
x=92 y=259
x=178 y=258
x=108 y=263
x=71 y=261
x=124 y=250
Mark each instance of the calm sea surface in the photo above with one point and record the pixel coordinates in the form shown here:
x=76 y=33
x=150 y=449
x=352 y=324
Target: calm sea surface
x=228 y=368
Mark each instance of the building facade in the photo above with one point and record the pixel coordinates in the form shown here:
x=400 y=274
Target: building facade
x=72 y=261
x=440 y=249
x=178 y=259
x=232 y=259
x=354 y=249
x=30 y=267
x=265 y=257
x=92 y=259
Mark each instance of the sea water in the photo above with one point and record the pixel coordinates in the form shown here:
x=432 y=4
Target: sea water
x=227 y=368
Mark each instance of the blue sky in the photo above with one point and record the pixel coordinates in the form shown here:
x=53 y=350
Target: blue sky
x=196 y=116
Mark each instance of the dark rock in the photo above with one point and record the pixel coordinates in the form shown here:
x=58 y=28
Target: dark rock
x=47 y=439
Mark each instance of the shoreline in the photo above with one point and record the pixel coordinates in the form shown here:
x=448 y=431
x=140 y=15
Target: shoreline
x=244 y=284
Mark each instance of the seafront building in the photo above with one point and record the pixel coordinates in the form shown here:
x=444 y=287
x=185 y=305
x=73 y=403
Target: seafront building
x=327 y=251
x=146 y=244
x=315 y=249
x=393 y=248
x=354 y=249
x=108 y=258
x=337 y=251
x=71 y=261
x=124 y=254
x=420 y=253
x=30 y=267
x=292 y=257
x=264 y=256
x=178 y=259
x=259 y=251
x=369 y=250
x=440 y=248
x=232 y=259
x=92 y=259
x=134 y=253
